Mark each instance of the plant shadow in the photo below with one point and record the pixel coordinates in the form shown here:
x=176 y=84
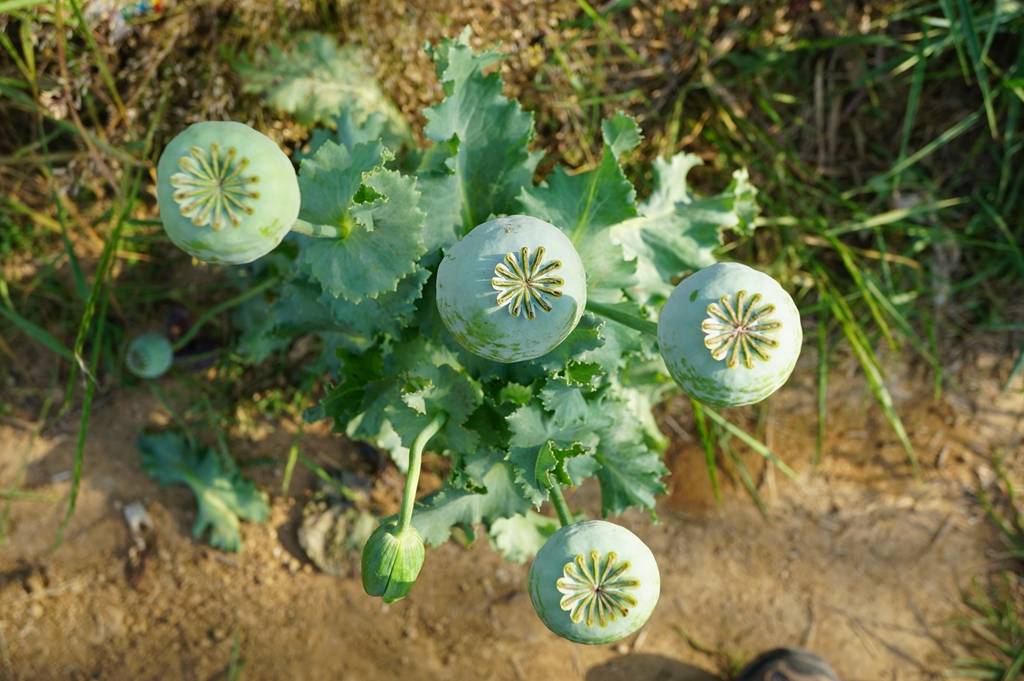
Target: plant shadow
x=646 y=667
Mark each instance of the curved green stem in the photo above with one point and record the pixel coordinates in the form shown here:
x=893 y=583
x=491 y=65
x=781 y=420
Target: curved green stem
x=561 y=507
x=315 y=230
x=412 y=477
x=622 y=317
x=226 y=305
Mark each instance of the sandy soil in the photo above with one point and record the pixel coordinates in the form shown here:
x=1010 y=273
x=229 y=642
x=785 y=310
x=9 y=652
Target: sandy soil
x=858 y=561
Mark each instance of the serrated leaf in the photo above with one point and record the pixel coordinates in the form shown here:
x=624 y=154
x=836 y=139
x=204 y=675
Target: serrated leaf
x=348 y=130
x=621 y=134
x=436 y=515
x=430 y=382
x=222 y=494
x=583 y=374
x=384 y=236
x=554 y=441
x=514 y=393
x=585 y=338
x=259 y=338
x=620 y=344
x=678 y=231
x=519 y=537
x=314 y=80
x=386 y=314
x=630 y=471
x=586 y=206
x=485 y=136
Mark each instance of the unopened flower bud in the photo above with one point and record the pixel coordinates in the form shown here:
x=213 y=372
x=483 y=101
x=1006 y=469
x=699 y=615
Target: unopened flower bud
x=392 y=559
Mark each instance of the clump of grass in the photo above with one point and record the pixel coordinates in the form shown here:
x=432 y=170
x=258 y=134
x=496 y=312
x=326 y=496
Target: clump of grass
x=995 y=620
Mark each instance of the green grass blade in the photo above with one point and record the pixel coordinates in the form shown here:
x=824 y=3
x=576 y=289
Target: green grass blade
x=1014 y=670
x=750 y=441
x=98 y=58
x=609 y=31
x=913 y=101
x=869 y=364
x=956 y=38
x=76 y=266
x=37 y=333
x=293 y=457
x=942 y=140
x=1018 y=367
x=977 y=61
x=11 y=5
x=222 y=307
x=866 y=294
x=744 y=475
x=819 y=439
x=83 y=424
x=707 y=441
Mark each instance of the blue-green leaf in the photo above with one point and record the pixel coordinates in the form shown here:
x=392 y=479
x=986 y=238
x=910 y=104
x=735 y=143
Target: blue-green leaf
x=377 y=208
x=587 y=206
x=222 y=494
x=484 y=162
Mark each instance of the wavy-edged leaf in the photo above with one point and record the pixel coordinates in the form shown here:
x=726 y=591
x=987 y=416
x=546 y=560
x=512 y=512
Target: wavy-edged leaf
x=223 y=496
x=483 y=161
x=437 y=514
x=587 y=206
x=553 y=443
x=314 y=80
x=678 y=231
x=377 y=210
x=519 y=537
x=630 y=470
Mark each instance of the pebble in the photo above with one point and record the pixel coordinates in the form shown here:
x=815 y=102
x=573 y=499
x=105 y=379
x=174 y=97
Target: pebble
x=35 y=583
x=35 y=611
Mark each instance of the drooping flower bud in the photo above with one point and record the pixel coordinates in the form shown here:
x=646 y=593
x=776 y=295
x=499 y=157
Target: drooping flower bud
x=391 y=561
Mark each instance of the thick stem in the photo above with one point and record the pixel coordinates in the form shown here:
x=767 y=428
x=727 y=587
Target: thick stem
x=412 y=477
x=627 y=319
x=315 y=230
x=558 y=501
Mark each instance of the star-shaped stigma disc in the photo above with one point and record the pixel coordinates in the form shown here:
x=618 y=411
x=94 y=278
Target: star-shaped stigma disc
x=740 y=330
x=523 y=282
x=212 y=189
x=596 y=591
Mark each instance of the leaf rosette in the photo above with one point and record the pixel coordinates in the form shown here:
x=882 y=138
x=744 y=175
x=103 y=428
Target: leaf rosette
x=377 y=296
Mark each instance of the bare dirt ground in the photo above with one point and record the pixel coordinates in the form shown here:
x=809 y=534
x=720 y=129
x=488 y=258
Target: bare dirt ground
x=858 y=561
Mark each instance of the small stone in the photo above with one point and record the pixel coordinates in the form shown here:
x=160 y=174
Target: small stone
x=34 y=582
x=35 y=611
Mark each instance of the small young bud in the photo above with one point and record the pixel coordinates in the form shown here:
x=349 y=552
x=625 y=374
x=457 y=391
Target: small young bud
x=149 y=356
x=391 y=561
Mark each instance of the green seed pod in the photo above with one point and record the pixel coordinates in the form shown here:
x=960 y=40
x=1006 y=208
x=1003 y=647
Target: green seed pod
x=149 y=356
x=512 y=289
x=594 y=582
x=730 y=335
x=391 y=561
x=227 y=194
